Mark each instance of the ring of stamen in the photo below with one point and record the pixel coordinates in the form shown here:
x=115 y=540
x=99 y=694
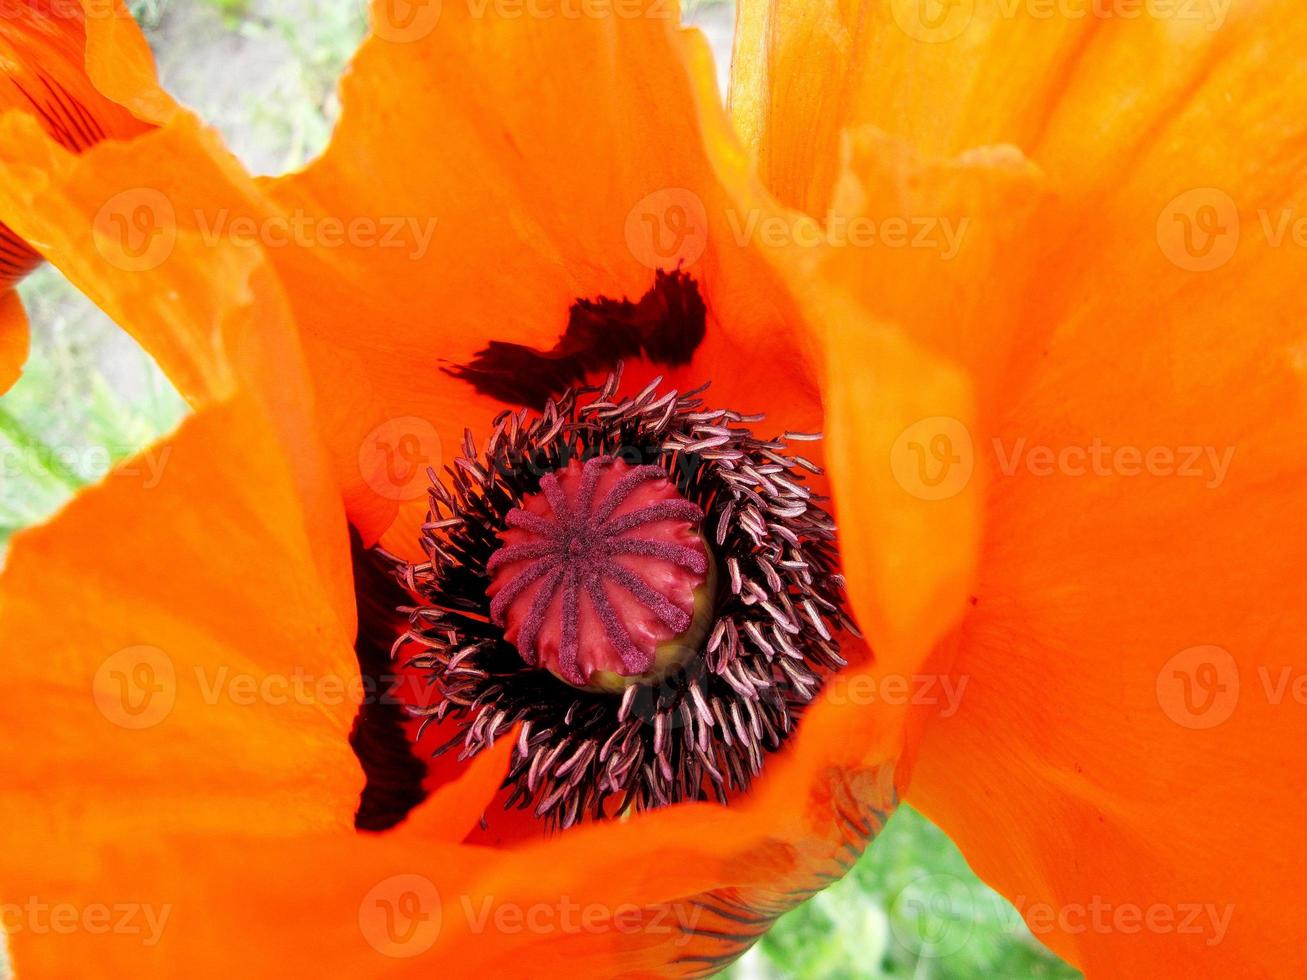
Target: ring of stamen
x=700 y=731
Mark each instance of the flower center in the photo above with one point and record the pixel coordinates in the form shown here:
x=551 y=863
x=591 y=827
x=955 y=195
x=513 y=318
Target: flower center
x=590 y=620
x=603 y=578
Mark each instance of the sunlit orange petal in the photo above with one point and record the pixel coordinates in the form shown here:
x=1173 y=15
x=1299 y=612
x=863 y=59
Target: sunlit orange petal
x=1077 y=93
x=373 y=233
x=908 y=543
x=54 y=57
x=50 y=60
x=342 y=898
x=194 y=668
x=913 y=351
x=209 y=309
x=1099 y=765
x=119 y=62
x=13 y=338
x=583 y=184
x=727 y=873
x=1139 y=575
x=574 y=913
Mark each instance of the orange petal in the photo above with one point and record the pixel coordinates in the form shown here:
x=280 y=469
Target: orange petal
x=945 y=77
x=63 y=63
x=907 y=508
x=581 y=184
x=1130 y=736
x=1076 y=93
x=119 y=62
x=13 y=338
x=207 y=308
x=107 y=232
x=186 y=668
x=67 y=65
x=1128 y=733
x=49 y=57
x=188 y=708
x=1086 y=773
x=401 y=904
x=242 y=900
x=358 y=238
x=912 y=351
x=401 y=901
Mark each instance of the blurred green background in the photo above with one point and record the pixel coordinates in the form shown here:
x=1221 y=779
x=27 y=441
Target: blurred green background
x=264 y=72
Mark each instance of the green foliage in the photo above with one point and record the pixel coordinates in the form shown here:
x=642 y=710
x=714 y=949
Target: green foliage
x=307 y=107
x=232 y=11
x=909 y=908
x=66 y=422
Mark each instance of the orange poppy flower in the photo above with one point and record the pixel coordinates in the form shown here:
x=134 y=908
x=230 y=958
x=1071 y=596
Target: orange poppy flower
x=1064 y=483
x=62 y=65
